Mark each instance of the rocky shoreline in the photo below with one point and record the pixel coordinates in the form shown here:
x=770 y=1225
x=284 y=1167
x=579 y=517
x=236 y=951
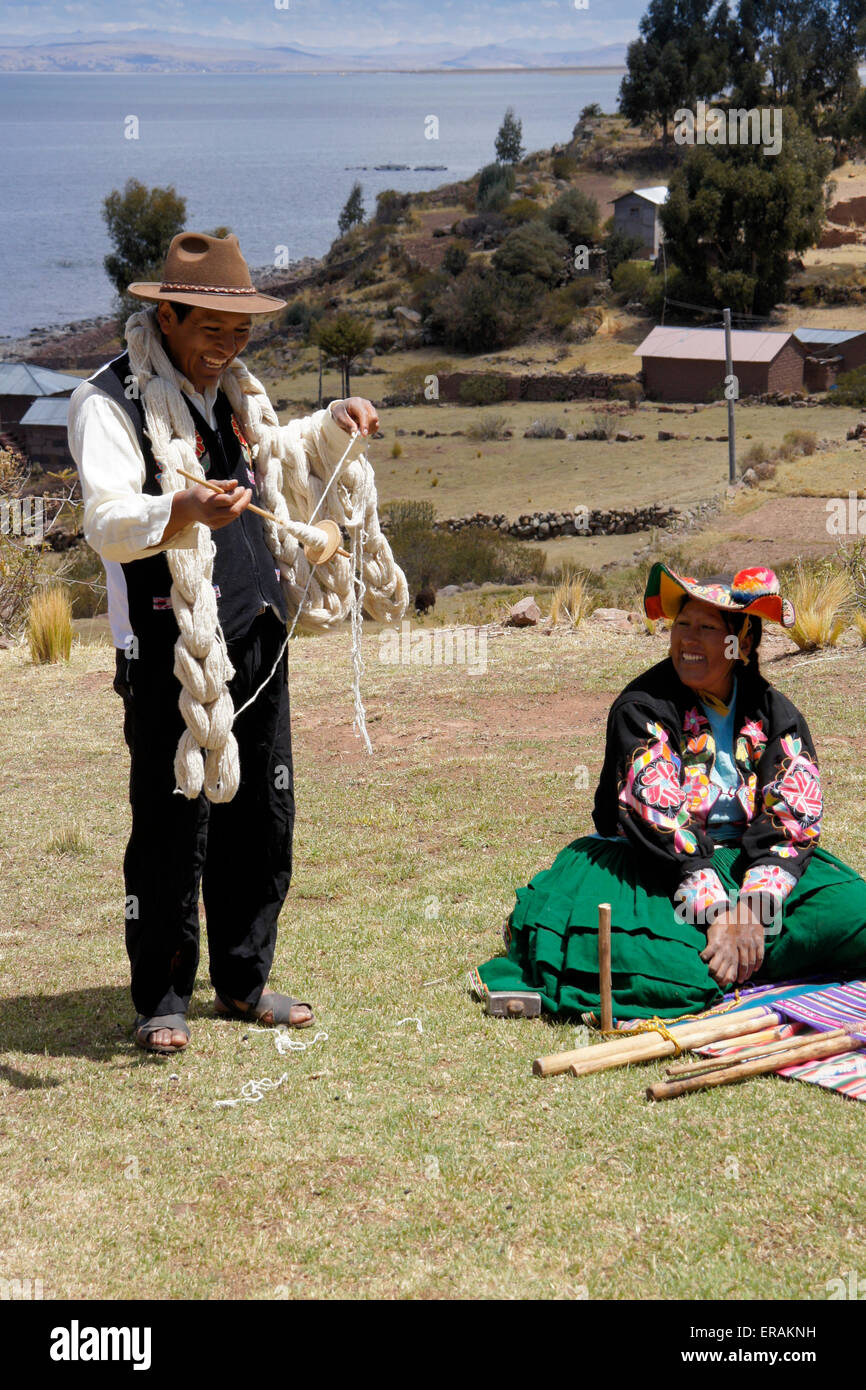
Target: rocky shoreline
x=87 y=343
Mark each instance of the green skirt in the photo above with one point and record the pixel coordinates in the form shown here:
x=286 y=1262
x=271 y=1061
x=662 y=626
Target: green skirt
x=655 y=958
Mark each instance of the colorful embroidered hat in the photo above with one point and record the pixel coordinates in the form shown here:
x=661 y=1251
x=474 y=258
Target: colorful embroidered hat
x=753 y=591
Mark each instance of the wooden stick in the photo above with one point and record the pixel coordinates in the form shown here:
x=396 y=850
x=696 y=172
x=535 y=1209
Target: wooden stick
x=646 y=1046
x=761 y=1050
x=767 y=1035
x=251 y=507
x=605 y=988
x=758 y=1066
x=689 y=1033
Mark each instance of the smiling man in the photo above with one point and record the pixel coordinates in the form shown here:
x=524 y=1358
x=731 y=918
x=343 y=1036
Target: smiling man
x=237 y=848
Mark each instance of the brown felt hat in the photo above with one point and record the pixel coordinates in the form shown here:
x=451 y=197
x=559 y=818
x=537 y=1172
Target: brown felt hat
x=208 y=272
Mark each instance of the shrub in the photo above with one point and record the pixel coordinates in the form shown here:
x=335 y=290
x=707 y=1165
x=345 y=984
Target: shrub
x=391 y=206
x=860 y=620
x=493 y=181
x=456 y=258
x=396 y=449
x=444 y=557
x=630 y=280
x=631 y=391
x=49 y=626
x=619 y=247
x=850 y=389
x=478 y=313
x=574 y=216
x=83 y=576
x=547 y=429
x=486 y=388
x=558 y=306
x=522 y=210
x=798 y=443
x=489 y=427
x=533 y=250
x=563 y=166
x=604 y=426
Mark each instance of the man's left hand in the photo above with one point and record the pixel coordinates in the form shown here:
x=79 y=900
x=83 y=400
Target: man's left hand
x=355 y=413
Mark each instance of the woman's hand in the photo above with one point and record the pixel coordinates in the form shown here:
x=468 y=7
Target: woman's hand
x=355 y=413
x=735 y=946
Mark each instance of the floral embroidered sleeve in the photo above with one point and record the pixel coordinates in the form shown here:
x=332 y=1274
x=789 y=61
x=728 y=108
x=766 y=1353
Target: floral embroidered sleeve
x=652 y=800
x=779 y=840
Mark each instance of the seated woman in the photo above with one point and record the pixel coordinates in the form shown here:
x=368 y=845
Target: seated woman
x=708 y=813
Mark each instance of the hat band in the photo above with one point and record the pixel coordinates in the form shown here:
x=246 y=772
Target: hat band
x=165 y=288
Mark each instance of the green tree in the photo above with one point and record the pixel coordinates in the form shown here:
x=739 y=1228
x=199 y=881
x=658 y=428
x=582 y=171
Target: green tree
x=620 y=246
x=592 y=112
x=509 y=149
x=575 y=217
x=481 y=312
x=734 y=214
x=353 y=211
x=681 y=56
x=534 y=250
x=495 y=186
x=345 y=337
x=141 y=223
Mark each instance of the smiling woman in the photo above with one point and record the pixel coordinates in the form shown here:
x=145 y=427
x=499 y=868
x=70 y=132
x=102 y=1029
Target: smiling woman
x=708 y=813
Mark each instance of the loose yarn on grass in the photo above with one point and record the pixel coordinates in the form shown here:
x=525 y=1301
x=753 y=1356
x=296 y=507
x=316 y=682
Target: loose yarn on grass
x=292 y=482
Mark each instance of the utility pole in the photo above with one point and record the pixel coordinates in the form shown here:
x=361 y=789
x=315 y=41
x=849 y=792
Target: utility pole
x=731 y=392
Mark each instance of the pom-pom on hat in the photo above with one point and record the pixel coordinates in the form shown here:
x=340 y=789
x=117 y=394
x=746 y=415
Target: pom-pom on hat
x=754 y=591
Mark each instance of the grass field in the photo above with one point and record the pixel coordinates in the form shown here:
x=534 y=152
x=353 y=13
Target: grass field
x=391 y=1162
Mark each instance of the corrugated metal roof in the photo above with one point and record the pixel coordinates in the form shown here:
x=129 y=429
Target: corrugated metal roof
x=22 y=379
x=657 y=194
x=708 y=344
x=827 y=335
x=52 y=411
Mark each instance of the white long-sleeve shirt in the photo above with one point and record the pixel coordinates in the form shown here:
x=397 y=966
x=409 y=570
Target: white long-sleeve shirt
x=121 y=521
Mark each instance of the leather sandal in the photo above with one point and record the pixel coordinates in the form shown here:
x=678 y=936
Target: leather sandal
x=144 y=1027
x=280 y=1005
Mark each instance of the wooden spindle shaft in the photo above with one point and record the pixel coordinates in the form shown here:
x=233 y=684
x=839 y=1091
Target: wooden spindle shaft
x=605 y=986
x=765 y=1049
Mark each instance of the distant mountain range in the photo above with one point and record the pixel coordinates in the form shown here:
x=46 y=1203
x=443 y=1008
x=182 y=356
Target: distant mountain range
x=152 y=51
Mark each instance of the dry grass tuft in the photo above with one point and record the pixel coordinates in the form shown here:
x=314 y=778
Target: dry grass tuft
x=572 y=600
x=49 y=626
x=822 y=605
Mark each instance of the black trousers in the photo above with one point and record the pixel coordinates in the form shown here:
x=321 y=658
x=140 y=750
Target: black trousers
x=238 y=852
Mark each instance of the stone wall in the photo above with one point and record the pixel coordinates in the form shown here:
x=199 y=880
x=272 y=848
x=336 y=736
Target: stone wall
x=544 y=526
x=550 y=386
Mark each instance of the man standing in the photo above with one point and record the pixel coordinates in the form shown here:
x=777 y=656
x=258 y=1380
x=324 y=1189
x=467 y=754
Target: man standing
x=238 y=848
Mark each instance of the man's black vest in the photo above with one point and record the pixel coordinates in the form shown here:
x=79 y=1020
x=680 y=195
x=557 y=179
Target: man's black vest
x=245 y=575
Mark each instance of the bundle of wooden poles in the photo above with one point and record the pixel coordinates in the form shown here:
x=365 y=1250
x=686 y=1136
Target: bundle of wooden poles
x=760 y=1031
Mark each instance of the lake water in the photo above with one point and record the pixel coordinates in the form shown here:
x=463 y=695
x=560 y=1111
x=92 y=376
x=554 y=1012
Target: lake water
x=265 y=156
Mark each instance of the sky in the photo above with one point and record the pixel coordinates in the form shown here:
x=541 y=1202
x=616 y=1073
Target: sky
x=374 y=23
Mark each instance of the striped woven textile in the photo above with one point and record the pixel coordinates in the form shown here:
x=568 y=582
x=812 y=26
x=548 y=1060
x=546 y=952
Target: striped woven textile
x=831 y=1006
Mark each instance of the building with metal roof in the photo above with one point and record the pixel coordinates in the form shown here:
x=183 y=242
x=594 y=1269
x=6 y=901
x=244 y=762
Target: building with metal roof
x=636 y=214
x=53 y=410
x=688 y=364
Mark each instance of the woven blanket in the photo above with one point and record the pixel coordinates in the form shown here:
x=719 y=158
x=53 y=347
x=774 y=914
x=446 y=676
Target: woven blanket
x=817 y=1009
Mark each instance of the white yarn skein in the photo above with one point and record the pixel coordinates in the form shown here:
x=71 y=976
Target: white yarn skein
x=291 y=479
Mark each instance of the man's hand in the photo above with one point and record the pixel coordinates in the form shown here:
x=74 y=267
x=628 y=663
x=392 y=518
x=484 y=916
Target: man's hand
x=215 y=509
x=735 y=946
x=355 y=413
